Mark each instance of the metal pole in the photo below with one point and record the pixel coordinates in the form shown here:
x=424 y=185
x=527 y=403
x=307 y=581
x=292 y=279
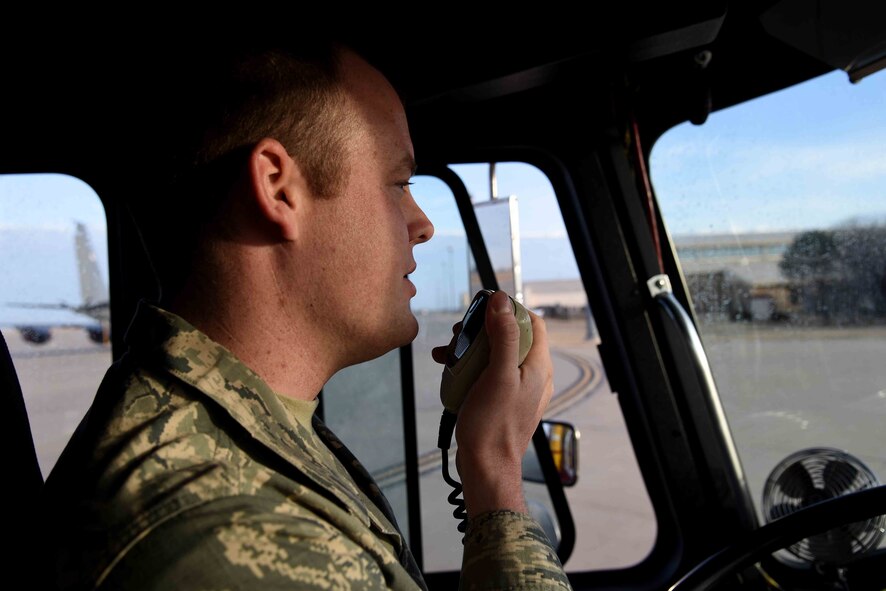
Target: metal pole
x=451 y=274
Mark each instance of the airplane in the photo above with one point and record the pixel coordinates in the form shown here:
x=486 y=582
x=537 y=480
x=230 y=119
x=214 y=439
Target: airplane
x=94 y=294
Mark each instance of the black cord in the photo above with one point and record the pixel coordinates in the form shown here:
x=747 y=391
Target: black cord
x=460 y=512
x=447 y=426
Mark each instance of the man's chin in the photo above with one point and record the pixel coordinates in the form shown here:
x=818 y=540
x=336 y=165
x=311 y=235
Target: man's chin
x=412 y=331
x=406 y=332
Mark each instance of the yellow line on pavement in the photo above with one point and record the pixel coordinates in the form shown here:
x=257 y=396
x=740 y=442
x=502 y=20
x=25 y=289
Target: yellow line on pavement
x=590 y=376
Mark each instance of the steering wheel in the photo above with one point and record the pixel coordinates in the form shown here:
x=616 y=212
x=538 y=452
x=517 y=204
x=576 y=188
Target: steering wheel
x=784 y=532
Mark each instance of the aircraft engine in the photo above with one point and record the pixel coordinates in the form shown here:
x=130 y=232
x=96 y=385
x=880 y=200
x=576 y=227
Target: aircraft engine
x=37 y=335
x=98 y=333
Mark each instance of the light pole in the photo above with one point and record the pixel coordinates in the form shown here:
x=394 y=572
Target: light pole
x=451 y=279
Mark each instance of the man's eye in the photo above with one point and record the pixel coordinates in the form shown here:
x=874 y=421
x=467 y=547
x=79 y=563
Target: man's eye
x=404 y=184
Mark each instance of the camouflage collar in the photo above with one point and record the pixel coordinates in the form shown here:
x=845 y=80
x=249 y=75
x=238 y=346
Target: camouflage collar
x=166 y=340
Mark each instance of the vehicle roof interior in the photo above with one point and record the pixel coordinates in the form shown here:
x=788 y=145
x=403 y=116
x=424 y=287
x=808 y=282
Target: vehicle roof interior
x=68 y=90
x=80 y=101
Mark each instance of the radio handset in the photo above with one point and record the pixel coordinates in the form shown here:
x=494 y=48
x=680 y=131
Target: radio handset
x=468 y=353
x=466 y=357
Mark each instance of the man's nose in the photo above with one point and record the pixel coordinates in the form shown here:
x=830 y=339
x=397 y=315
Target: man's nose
x=420 y=227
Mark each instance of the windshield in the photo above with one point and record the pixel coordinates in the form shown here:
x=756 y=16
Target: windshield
x=777 y=208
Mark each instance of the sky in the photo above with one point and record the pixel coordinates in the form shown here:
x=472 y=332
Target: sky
x=812 y=156
x=38 y=217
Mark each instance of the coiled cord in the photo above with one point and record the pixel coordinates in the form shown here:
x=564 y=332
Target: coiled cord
x=444 y=438
x=460 y=512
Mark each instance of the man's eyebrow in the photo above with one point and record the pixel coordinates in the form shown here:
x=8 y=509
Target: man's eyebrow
x=408 y=162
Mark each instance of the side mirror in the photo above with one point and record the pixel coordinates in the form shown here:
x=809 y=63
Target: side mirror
x=563 y=442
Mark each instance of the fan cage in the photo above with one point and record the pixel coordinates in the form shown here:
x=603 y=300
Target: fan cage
x=813 y=475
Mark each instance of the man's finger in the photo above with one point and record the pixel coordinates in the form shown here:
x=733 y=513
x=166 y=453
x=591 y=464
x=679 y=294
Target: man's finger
x=539 y=358
x=502 y=330
x=539 y=350
x=439 y=354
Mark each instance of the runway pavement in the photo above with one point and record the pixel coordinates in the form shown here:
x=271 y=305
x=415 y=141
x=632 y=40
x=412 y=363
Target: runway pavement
x=59 y=380
x=782 y=391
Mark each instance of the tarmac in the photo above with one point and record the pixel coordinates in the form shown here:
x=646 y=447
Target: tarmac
x=783 y=390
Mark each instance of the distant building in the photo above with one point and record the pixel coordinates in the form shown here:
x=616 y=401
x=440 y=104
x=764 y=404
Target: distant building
x=736 y=276
x=730 y=277
x=559 y=298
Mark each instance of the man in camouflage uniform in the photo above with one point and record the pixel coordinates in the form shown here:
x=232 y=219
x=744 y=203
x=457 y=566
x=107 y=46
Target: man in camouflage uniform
x=201 y=465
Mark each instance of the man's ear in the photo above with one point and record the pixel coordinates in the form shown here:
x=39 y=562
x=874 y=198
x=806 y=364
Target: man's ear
x=278 y=185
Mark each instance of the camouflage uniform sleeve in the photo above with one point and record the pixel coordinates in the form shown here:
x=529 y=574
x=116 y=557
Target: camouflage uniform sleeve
x=505 y=550
x=237 y=543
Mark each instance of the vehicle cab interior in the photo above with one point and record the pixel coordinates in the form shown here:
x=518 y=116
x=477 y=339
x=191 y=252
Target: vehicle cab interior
x=678 y=190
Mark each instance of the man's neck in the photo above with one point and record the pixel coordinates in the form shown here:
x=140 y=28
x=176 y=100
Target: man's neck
x=224 y=298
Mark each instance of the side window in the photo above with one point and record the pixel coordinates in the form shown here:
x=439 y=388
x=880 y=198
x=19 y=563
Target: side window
x=615 y=525
x=363 y=405
x=778 y=213
x=54 y=304
x=441 y=280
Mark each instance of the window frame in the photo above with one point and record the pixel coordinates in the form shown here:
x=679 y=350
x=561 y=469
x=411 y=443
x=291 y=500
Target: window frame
x=568 y=175
x=488 y=279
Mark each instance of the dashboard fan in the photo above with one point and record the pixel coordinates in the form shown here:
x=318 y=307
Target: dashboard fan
x=817 y=474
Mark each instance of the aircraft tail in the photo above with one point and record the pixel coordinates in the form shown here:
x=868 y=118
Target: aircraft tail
x=92 y=288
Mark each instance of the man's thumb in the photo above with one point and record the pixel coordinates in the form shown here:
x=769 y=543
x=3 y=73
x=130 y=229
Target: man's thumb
x=501 y=327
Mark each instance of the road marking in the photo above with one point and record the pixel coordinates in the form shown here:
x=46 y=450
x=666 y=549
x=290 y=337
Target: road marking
x=38 y=353
x=784 y=414
x=589 y=378
x=586 y=384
